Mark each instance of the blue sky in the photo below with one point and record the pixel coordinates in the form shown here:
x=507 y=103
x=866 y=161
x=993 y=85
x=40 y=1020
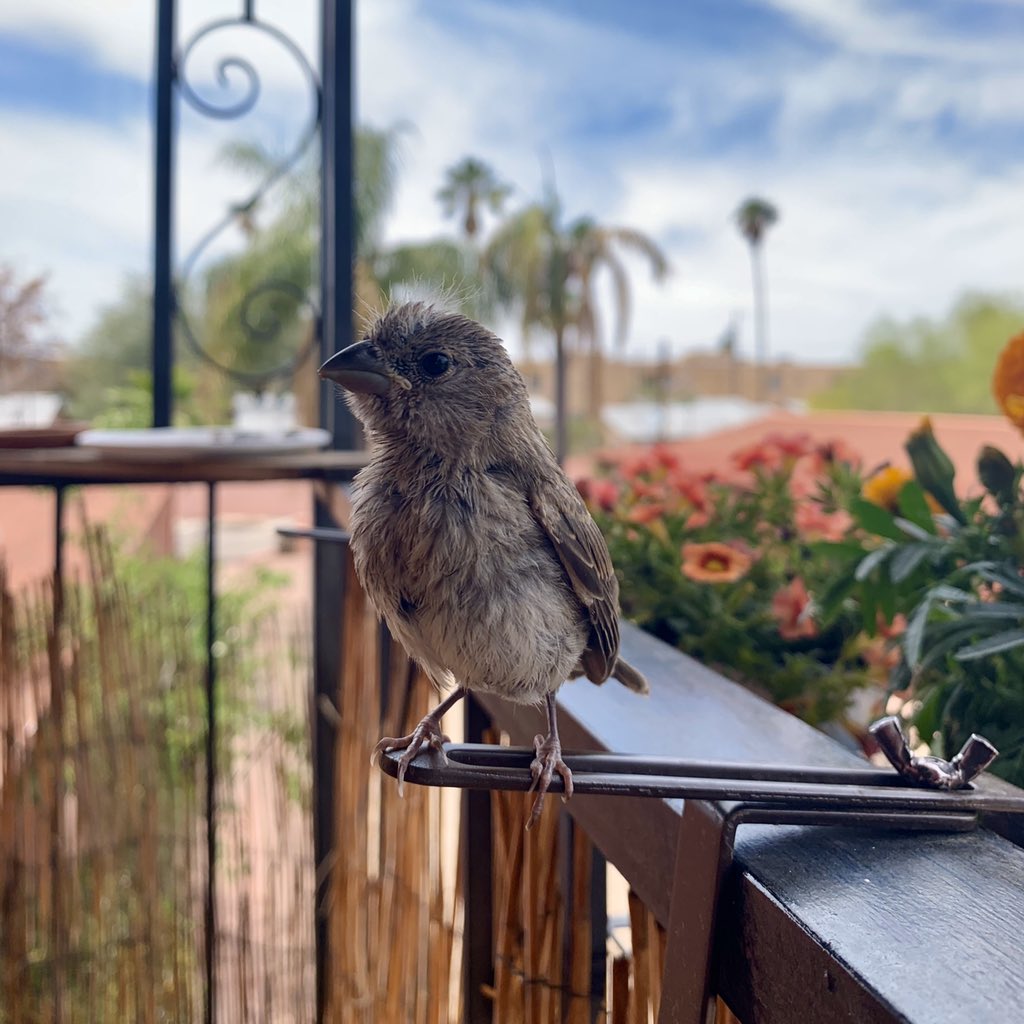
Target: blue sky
x=890 y=135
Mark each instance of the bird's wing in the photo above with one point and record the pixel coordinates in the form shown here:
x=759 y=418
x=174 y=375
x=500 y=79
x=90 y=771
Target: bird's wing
x=558 y=508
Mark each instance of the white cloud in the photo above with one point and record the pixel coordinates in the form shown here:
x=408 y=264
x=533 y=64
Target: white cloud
x=879 y=213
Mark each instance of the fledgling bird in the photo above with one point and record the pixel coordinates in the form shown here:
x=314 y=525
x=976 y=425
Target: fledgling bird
x=469 y=539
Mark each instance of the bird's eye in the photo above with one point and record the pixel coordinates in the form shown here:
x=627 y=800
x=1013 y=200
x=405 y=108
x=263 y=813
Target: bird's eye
x=433 y=364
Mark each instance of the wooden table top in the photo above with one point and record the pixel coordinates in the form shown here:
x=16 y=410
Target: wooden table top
x=70 y=466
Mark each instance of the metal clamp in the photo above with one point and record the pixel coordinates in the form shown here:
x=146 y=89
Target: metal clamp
x=925 y=793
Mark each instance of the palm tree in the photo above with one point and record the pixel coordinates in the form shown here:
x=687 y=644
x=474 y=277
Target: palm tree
x=753 y=218
x=594 y=246
x=546 y=272
x=469 y=185
x=527 y=266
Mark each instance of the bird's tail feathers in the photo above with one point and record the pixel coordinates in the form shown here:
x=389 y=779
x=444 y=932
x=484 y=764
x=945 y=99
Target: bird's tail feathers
x=630 y=677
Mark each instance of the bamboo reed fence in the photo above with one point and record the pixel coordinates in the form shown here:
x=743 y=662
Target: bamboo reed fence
x=102 y=779
x=395 y=909
x=102 y=860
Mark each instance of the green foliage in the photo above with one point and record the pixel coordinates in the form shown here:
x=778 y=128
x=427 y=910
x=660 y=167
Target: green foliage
x=954 y=577
x=118 y=346
x=130 y=404
x=931 y=366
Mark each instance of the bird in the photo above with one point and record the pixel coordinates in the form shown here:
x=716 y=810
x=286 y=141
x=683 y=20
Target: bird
x=468 y=538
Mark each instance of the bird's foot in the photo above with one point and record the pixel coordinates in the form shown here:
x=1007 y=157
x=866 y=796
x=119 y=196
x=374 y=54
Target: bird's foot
x=426 y=735
x=547 y=761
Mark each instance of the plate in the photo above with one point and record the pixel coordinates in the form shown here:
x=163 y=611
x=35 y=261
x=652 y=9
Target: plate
x=168 y=443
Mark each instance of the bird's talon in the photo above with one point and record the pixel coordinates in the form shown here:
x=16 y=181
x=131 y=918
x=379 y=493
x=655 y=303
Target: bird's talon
x=542 y=769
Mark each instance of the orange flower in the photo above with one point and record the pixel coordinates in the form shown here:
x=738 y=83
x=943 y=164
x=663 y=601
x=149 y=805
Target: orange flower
x=1008 y=381
x=884 y=487
x=714 y=563
x=792 y=608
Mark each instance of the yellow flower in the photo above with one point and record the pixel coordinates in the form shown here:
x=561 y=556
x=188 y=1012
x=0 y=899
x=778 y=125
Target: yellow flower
x=714 y=563
x=1008 y=381
x=884 y=487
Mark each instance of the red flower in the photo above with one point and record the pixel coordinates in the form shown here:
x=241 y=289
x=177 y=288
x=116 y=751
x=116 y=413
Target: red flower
x=831 y=452
x=690 y=487
x=602 y=494
x=637 y=464
x=645 y=513
x=792 y=608
x=810 y=519
x=757 y=456
x=794 y=446
x=666 y=457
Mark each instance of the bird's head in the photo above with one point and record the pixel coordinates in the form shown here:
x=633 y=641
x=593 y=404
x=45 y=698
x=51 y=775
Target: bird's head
x=431 y=377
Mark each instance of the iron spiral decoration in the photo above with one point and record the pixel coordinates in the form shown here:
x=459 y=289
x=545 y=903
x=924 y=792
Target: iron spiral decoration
x=237 y=91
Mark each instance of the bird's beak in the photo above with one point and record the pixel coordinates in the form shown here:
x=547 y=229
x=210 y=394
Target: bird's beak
x=358 y=369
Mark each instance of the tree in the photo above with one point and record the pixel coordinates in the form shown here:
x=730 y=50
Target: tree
x=23 y=317
x=753 y=218
x=546 y=271
x=470 y=185
x=527 y=261
x=924 y=365
x=593 y=247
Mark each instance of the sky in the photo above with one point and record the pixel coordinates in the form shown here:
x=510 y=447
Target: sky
x=890 y=135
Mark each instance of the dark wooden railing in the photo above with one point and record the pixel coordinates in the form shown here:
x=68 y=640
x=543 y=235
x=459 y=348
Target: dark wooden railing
x=814 y=924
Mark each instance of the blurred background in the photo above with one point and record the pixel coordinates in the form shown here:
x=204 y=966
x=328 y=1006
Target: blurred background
x=701 y=224
x=879 y=145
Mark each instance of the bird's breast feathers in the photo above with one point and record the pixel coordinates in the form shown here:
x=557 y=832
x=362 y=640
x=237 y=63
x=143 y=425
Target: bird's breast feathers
x=467 y=581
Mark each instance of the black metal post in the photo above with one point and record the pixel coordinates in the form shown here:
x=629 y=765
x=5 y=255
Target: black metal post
x=211 y=755
x=335 y=331
x=330 y=574
x=478 y=904
x=337 y=210
x=163 y=222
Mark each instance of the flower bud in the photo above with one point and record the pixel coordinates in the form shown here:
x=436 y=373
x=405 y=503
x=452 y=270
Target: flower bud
x=933 y=468
x=997 y=474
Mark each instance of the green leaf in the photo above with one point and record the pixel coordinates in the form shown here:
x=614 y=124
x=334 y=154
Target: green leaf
x=942 y=642
x=875 y=519
x=914 y=506
x=872 y=561
x=835 y=594
x=928 y=715
x=845 y=550
x=986 y=611
x=911 y=529
x=1004 y=641
x=944 y=592
x=887 y=600
x=906 y=560
x=913 y=638
x=869 y=608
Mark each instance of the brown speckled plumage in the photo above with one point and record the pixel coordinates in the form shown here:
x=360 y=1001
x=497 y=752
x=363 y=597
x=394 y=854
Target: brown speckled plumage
x=470 y=541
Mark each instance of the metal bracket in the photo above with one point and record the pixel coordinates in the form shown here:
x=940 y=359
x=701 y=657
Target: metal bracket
x=718 y=798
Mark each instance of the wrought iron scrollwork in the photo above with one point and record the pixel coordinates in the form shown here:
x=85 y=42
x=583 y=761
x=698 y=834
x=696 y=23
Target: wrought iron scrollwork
x=238 y=85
